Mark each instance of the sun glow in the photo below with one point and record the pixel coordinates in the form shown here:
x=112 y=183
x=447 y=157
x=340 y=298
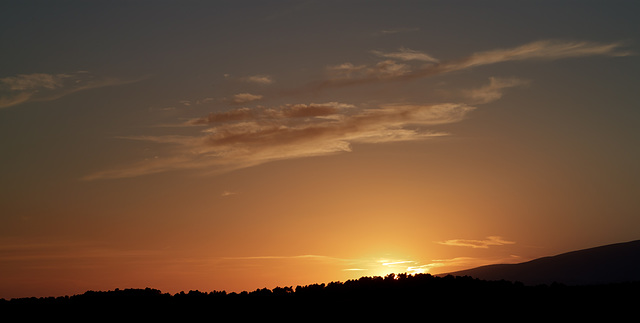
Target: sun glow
x=385 y=267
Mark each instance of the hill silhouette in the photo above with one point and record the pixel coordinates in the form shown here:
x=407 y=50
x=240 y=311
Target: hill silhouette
x=614 y=263
x=395 y=296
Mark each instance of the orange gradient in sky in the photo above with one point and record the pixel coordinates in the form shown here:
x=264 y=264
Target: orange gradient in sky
x=236 y=146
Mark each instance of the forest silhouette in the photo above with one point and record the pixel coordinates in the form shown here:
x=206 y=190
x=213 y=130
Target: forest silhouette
x=393 y=296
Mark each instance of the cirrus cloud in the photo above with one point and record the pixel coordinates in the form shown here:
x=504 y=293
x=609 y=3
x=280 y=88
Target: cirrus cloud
x=486 y=243
x=22 y=88
x=494 y=90
x=259 y=79
x=406 y=54
x=242 y=98
x=244 y=137
x=348 y=74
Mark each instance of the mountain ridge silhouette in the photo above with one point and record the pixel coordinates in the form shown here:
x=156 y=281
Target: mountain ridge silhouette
x=397 y=297
x=606 y=264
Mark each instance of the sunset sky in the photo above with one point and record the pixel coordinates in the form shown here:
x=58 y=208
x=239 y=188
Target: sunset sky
x=236 y=145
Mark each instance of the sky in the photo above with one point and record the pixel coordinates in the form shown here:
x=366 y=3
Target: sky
x=238 y=145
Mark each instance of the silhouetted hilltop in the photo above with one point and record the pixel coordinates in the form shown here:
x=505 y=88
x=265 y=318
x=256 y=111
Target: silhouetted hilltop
x=391 y=297
x=396 y=297
x=615 y=263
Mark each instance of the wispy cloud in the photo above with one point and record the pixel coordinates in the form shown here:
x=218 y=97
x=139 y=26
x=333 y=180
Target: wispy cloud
x=494 y=90
x=197 y=102
x=387 y=69
x=406 y=54
x=244 y=137
x=12 y=99
x=11 y=250
x=396 y=30
x=242 y=98
x=486 y=243
x=27 y=82
x=228 y=193
x=316 y=257
x=349 y=74
x=369 y=266
x=286 y=111
x=15 y=90
x=259 y=79
x=247 y=137
x=540 y=50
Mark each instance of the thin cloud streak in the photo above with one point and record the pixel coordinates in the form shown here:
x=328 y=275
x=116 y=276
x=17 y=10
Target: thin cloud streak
x=38 y=87
x=247 y=137
x=259 y=79
x=390 y=71
x=242 y=98
x=484 y=244
x=494 y=90
x=284 y=257
x=398 y=30
x=28 y=251
x=375 y=267
x=228 y=193
x=406 y=54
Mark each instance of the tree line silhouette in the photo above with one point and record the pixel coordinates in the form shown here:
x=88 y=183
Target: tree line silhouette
x=395 y=295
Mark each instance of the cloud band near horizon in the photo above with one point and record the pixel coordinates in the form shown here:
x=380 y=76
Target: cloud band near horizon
x=483 y=244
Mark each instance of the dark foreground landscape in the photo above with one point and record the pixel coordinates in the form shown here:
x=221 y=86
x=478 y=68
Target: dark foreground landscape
x=423 y=296
x=393 y=296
